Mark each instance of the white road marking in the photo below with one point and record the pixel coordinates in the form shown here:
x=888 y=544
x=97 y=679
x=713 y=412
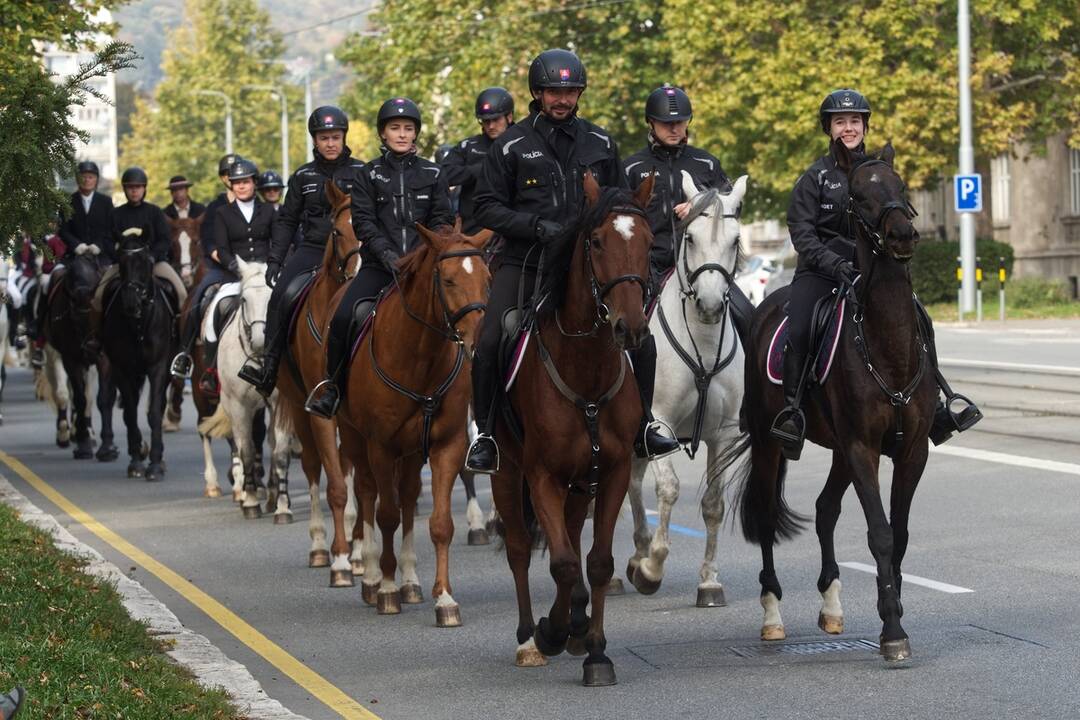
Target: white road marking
x=1031 y=463
x=997 y=365
x=624 y=225
x=911 y=579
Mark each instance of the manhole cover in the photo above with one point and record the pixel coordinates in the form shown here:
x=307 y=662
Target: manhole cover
x=805 y=648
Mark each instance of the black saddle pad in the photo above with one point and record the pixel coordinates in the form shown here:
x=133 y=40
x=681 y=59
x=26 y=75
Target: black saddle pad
x=828 y=321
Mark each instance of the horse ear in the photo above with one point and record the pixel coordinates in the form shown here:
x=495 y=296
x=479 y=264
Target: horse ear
x=480 y=239
x=738 y=191
x=592 y=189
x=432 y=238
x=845 y=159
x=644 y=192
x=199 y=220
x=887 y=154
x=690 y=190
x=172 y=223
x=334 y=194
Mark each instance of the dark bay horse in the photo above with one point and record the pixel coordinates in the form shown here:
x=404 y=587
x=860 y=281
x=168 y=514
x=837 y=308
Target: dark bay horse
x=66 y=326
x=878 y=399
x=579 y=409
x=140 y=337
x=408 y=399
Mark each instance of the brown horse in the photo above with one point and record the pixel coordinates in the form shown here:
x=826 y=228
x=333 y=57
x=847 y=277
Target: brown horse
x=304 y=367
x=408 y=399
x=575 y=394
x=185 y=237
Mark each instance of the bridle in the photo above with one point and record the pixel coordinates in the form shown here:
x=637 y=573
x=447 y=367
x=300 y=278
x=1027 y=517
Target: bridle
x=342 y=261
x=875 y=230
x=702 y=202
x=249 y=325
x=449 y=331
x=144 y=291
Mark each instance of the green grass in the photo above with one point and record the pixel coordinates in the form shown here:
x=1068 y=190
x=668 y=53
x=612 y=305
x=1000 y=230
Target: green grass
x=66 y=638
x=947 y=312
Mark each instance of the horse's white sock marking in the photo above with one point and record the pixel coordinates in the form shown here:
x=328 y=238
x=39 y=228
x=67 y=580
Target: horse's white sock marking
x=341 y=562
x=467 y=264
x=772 y=609
x=445 y=600
x=624 y=225
x=830 y=600
x=474 y=515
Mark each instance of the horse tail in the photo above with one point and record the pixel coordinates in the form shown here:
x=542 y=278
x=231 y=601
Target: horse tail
x=217 y=425
x=764 y=513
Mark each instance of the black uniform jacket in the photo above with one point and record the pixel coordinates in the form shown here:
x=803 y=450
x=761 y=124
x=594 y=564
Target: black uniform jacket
x=306 y=206
x=94 y=228
x=817 y=219
x=535 y=170
x=194 y=210
x=391 y=195
x=236 y=237
x=668 y=164
x=463 y=166
x=207 y=239
x=147 y=217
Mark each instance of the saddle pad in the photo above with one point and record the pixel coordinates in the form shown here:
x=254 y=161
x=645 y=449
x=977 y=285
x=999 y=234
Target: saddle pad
x=656 y=297
x=209 y=332
x=826 y=350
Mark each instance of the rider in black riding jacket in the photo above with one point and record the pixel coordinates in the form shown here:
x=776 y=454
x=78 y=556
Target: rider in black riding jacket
x=821 y=233
x=90 y=222
x=307 y=208
x=396 y=191
x=270 y=186
x=668 y=154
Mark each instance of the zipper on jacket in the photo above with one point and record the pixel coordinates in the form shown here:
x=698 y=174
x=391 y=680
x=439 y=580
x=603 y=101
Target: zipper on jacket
x=404 y=232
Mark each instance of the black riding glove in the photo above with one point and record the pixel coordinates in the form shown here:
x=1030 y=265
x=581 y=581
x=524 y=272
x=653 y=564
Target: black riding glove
x=547 y=231
x=273 y=269
x=845 y=272
x=234 y=267
x=389 y=259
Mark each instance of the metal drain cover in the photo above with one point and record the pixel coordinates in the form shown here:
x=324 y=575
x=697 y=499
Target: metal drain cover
x=804 y=648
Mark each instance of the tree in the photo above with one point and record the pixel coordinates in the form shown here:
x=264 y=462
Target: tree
x=39 y=139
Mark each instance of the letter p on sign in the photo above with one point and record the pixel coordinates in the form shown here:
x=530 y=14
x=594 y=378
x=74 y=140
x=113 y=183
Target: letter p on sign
x=967 y=189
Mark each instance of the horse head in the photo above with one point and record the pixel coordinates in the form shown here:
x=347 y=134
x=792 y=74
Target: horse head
x=881 y=213
x=185 y=237
x=82 y=274
x=708 y=251
x=254 y=301
x=461 y=279
x=342 y=257
x=136 y=274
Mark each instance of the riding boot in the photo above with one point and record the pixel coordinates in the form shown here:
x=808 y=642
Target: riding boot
x=183 y=362
x=209 y=383
x=789 y=427
x=483 y=456
x=263 y=373
x=91 y=345
x=650 y=443
x=326 y=396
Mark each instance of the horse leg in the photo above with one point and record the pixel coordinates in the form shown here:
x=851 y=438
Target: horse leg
x=766 y=466
x=650 y=571
x=155 y=409
x=236 y=471
x=507 y=488
x=549 y=501
x=446 y=461
x=280 y=454
x=474 y=516
x=710 y=591
x=258 y=434
x=173 y=411
x=210 y=476
x=241 y=417
x=906 y=475
x=829 y=502
x=366 y=498
x=409 y=474
x=84 y=448
x=577 y=510
x=324 y=433
x=350 y=442
x=106 y=402
x=318 y=555
x=388 y=516
x=642 y=536
x=129 y=396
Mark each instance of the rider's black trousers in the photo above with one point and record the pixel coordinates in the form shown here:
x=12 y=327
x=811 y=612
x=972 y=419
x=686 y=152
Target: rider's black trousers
x=806 y=290
x=304 y=259
x=486 y=377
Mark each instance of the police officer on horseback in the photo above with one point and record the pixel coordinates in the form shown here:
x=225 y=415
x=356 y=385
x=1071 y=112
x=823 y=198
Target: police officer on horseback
x=306 y=208
x=464 y=162
x=270 y=186
x=395 y=191
x=667 y=155
x=821 y=232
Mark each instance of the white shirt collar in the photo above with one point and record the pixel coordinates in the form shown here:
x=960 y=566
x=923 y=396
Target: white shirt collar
x=247 y=208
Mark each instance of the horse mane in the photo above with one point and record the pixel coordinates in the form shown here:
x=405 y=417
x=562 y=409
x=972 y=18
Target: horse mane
x=411 y=263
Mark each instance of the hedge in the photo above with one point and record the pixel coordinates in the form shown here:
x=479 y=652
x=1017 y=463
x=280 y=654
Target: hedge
x=933 y=269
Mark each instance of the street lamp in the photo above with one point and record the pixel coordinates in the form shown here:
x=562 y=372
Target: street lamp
x=280 y=92
x=303 y=69
x=228 y=116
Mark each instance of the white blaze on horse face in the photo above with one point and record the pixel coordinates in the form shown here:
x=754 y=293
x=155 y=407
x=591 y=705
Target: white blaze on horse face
x=467 y=264
x=624 y=225
x=185 y=251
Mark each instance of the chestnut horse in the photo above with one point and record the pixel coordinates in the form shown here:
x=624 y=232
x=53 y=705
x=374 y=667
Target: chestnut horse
x=575 y=393
x=408 y=398
x=185 y=237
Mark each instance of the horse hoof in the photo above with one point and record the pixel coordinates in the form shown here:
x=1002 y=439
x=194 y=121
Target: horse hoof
x=631 y=566
x=341 y=578
x=283 y=518
x=548 y=647
x=62 y=443
x=711 y=596
x=644 y=585
x=251 y=512
x=412 y=594
x=599 y=674
x=831 y=624
x=135 y=470
x=773 y=632
x=615 y=587
x=318 y=558
x=82 y=452
x=479 y=536
x=447 y=616
x=154 y=473
x=369 y=593
x=212 y=491
x=896 y=650
x=529 y=656
x=357 y=567
x=575 y=645
x=107 y=453
x=389 y=603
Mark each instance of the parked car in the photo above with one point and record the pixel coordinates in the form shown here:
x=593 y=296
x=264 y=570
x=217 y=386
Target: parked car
x=753 y=277
x=785 y=270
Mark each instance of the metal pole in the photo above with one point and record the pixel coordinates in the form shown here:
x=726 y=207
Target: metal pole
x=978 y=289
x=284 y=136
x=959 y=290
x=308 y=109
x=967 y=154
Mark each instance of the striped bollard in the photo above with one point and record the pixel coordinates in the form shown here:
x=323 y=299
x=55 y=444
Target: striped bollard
x=978 y=289
x=1001 y=290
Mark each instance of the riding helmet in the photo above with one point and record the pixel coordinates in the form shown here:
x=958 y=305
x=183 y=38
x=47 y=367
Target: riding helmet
x=270 y=180
x=441 y=152
x=88 y=166
x=327 y=117
x=556 y=68
x=399 y=107
x=494 y=102
x=133 y=176
x=242 y=169
x=225 y=163
x=668 y=104
x=844 y=100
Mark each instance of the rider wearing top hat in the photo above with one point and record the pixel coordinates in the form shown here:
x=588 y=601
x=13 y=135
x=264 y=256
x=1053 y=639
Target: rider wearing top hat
x=821 y=233
x=307 y=209
x=396 y=191
x=182 y=206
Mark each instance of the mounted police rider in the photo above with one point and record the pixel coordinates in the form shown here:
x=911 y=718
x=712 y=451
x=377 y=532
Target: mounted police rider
x=397 y=190
x=464 y=162
x=530 y=192
x=242 y=229
x=270 y=186
x=667 y=154
x=821 y=233
x=306 y=208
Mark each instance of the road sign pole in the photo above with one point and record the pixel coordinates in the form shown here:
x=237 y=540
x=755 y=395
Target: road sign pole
x=967 y=155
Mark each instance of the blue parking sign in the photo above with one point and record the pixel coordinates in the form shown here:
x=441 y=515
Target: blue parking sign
x=967 y=189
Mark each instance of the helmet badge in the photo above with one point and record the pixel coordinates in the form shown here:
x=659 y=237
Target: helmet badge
x=670 y=91
x=846 y=101
x=328 y=120
x=486 y=106
x=564 y=74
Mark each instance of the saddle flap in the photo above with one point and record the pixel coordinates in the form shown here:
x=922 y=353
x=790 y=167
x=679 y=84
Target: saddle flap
x=293 y=297
x=515 y=338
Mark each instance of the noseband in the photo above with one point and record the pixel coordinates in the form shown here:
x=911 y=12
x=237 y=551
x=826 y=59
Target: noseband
x=144 y=292
x=249 y=325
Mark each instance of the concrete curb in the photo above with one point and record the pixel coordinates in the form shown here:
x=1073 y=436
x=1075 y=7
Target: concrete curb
x=210 y=666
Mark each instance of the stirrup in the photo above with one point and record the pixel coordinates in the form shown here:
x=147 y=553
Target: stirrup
x=181 y=366
x=790 y=443
x=643 y=441
x=310 y=403
x=252 y=374
x=479 y=439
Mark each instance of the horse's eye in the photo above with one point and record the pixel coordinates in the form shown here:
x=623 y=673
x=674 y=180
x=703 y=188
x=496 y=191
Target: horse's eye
x=689 y=239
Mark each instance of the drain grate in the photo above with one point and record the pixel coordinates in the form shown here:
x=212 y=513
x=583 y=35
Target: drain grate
x=805 y=648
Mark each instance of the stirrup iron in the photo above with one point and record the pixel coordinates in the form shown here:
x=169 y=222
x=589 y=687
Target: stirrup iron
x=479 y=438
x=181 y=366
x=313 y=397
x=656 y=424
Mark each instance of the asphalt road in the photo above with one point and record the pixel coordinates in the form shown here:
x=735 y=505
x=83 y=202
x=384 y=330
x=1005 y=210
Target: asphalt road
x=1008 y=532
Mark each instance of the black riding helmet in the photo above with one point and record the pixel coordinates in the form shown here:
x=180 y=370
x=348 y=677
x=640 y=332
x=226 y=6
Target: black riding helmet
x=494 y=102
x=242 y=169
x=668 y=104
x=88 y=166
x=844 y=100
x=226 y=162
x=270 y=180
x=399 y=107
x=134 y=176
x=556 y=68
x=441 y=152
x=327 y=117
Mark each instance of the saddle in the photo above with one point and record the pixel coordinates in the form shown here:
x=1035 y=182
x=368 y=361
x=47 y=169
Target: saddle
x=363 y=316
x=828 y=320
x=220 y=310
x=293 y=299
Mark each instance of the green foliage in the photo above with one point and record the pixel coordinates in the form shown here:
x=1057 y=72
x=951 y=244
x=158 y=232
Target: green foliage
x=1030 y=292
x=933 y=269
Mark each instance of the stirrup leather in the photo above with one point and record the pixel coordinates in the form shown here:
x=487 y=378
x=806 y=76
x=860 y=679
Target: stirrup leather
x=480 y=438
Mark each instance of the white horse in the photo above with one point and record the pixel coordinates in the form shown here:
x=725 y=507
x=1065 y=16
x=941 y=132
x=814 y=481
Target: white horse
x=243 y=337
x=692 y=319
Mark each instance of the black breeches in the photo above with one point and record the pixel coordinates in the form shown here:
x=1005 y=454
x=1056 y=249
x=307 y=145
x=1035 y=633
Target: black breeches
x=368 y=283
x=806 y=290
x=505 y=286
x=304 y=259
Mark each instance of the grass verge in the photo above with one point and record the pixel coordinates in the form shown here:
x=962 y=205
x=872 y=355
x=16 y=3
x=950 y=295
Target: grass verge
x=67 y=639
x=946 y=312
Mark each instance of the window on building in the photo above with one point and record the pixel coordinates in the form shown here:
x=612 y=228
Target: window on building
x=999 y=195
x=1074 y=180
